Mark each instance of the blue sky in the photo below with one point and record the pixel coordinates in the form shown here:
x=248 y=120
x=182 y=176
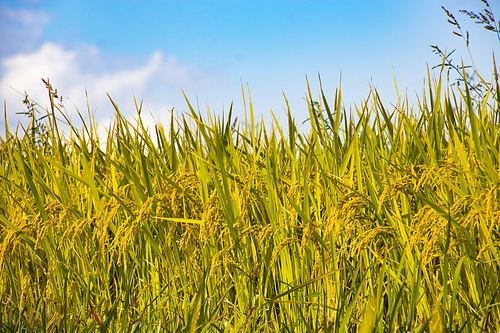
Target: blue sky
x=154 y=50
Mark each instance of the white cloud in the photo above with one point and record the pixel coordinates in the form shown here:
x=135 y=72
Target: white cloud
x=158 y=79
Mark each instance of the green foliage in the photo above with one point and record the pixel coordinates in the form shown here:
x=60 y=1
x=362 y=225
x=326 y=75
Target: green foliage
x=477 y=85
x=386 y=220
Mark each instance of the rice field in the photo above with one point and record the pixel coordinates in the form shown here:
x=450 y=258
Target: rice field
x=378 y=219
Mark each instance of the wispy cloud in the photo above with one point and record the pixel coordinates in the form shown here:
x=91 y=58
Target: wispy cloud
x=20 y=28
x=77 y=74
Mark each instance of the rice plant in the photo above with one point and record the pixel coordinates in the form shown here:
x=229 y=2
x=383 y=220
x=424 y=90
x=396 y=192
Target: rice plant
x=376 y=220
